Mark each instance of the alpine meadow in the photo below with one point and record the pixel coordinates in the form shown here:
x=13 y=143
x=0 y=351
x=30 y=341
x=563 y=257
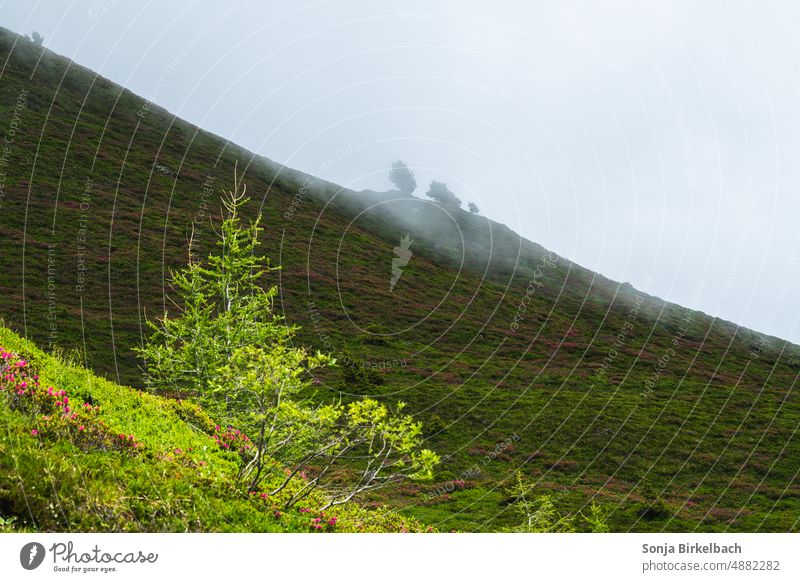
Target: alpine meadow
x=197 y=338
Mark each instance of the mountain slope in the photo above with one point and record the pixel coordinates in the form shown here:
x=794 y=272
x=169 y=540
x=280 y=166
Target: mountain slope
x=513 y=357
x=122 y=460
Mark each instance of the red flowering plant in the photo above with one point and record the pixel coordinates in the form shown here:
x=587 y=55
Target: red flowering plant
x=322 y=523
x=55 y=414
x=232 y=439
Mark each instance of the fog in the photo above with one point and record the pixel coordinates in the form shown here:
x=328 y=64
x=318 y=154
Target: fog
x=656 y=142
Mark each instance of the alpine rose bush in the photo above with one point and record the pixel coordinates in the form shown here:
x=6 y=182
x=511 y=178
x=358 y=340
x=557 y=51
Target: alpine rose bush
x=55 y=414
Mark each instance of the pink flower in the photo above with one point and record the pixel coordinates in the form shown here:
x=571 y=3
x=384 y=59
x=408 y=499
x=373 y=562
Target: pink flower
x=34 y=432
x=80 y=428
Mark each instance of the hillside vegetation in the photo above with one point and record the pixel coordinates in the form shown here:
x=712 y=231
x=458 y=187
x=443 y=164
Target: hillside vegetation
x=80 y=453
x=512 y=357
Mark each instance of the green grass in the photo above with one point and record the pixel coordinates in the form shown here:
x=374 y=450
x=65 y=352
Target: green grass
x=713 y=441
x=179 y=480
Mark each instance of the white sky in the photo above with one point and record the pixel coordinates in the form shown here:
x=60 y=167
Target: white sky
x=655 y=142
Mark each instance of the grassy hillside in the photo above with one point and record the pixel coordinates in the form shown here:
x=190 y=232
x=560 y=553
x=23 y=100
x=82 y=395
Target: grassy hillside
x=511 y=356
x=128 y=461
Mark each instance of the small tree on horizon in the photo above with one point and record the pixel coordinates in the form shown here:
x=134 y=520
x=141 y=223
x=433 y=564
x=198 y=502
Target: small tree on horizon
x=402 y=177
x=37 y=38
x=442 y=195
x=473 y=208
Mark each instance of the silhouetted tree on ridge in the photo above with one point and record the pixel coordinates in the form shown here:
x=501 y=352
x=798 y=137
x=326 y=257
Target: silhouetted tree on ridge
x=402 y=177
x=442 y=195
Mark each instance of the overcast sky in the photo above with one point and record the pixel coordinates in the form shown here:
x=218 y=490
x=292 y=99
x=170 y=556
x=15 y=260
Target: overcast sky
x=655 y=142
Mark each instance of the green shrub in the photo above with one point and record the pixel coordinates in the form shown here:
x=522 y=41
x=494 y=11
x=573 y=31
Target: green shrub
x=227 y=349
